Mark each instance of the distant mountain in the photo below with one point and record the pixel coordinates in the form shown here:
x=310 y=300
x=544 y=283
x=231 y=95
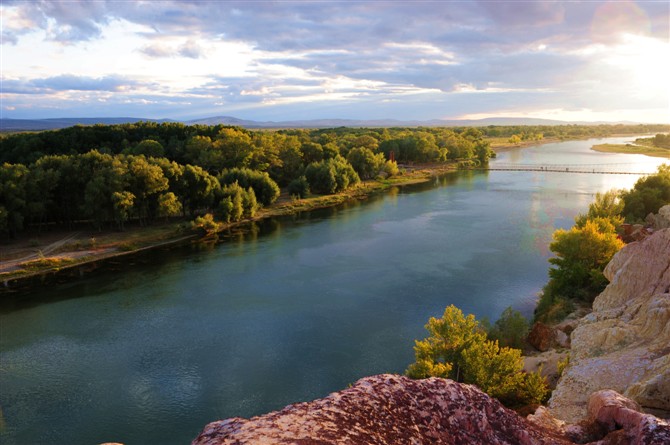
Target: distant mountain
x=371 y=123
x=52 y=124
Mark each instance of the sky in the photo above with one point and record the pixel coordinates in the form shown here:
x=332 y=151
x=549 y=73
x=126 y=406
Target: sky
x=292 y=60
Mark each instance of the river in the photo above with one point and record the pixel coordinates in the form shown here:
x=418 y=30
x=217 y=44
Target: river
x=286 y=310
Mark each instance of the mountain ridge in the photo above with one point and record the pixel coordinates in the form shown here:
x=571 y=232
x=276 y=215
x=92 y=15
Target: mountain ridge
x=9 y=124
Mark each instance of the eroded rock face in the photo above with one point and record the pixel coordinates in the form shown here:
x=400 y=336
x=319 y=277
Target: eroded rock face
x=386 y=409
x=624 y=344
x=617 y=413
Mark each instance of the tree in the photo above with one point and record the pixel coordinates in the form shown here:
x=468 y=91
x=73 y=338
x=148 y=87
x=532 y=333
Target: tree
x=197 y=189
x=12 y=197
x=649 y=194
x=266 y=190
x=299 y=187
x=581 y=256
x=365 y=162
x=457 y=348
x=606 y=205
x=148 y=148
x=169 y=205
x=123 y=204
x=510 y=329
x=231 y=148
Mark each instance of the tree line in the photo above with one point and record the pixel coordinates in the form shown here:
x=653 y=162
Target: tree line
x=111 y=174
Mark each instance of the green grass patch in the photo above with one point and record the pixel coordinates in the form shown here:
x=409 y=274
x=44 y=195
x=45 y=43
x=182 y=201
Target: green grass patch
x=633 y=149
x=45 y=263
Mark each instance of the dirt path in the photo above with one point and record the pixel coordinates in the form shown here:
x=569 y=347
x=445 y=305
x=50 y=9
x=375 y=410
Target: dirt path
x=14 y=264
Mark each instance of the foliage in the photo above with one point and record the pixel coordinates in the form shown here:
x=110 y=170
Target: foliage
x=510 y=329
x=391 y=168
x=606 y=205
x=299 y=187
x=206 y=224
x=366 y=163
x=330 y=176
x=581 y=255
x=649 y=194
x=457 y=348
x=149 y=148
x=266 y=190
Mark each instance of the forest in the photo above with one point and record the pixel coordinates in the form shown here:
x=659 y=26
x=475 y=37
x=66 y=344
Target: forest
x=107 y=175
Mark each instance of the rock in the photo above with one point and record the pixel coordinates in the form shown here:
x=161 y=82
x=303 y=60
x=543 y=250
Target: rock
x=616 y=412
x=624 y=344
x=546 y=363
x=387 y=409
x=661 y=220
x=543 y=337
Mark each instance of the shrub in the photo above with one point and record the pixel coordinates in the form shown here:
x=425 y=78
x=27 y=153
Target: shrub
x=299 y=187
x=457 y=348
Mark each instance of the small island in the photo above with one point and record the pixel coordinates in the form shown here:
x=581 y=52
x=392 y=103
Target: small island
x=657 y=146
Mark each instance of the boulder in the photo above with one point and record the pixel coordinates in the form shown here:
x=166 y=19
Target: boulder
x=624 y=344
x=543 y=337
x=617 y=413
x=387 y=409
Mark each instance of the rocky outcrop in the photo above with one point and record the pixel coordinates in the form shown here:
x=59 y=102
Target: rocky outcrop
x=386 y=409
x=624 y=344
x=624 y=423
x=543 y=337
x=390 y=409
x=661 y=220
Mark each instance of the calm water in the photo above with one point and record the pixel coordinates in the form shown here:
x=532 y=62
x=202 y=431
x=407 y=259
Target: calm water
x=285 y=311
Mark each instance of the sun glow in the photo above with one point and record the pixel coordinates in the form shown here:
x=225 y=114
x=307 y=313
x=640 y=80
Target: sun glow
x=647 y=62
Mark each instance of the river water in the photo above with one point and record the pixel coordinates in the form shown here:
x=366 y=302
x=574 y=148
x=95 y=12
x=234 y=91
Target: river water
x=286 y=310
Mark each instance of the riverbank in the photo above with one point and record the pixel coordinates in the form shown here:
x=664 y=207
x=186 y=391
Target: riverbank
x=633 y=149
x=38 y=258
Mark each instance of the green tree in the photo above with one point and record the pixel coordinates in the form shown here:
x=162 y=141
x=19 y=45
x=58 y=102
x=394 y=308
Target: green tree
x=12 y=197
x=148 y=148
x=123 y=204
x=299 y=187
x=457 y=348
x=649 y=194
x=366 y=163
x=606 y=205
x=510 y=329
x=581 y=256
x=266 y=190
x=197 y=189
x=169 y=205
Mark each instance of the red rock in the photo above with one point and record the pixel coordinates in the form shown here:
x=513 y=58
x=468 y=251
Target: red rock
x=543 y=337
x=386 y=409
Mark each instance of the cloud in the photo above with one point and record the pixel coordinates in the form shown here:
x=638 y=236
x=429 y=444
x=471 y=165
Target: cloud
x=68 y=82
x=189 y=49
x=367 y=53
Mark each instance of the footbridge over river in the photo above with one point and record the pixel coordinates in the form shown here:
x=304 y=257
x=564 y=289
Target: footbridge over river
x=601 y=169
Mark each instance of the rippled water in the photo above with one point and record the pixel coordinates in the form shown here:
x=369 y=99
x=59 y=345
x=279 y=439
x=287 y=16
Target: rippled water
x=283 y=311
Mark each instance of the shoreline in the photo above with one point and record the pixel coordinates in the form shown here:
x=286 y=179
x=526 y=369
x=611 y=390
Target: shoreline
x=69 y=261
x=76 y=262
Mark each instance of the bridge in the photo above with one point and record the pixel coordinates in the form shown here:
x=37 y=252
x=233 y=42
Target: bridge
x=601 y=169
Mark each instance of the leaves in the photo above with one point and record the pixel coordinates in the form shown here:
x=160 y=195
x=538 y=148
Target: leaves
x=457 y=348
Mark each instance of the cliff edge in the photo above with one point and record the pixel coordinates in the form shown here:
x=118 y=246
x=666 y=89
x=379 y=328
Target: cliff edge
x=386 y=409
x=624 y=344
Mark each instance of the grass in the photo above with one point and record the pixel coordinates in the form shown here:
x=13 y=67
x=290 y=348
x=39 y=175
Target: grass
x=633 y=149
